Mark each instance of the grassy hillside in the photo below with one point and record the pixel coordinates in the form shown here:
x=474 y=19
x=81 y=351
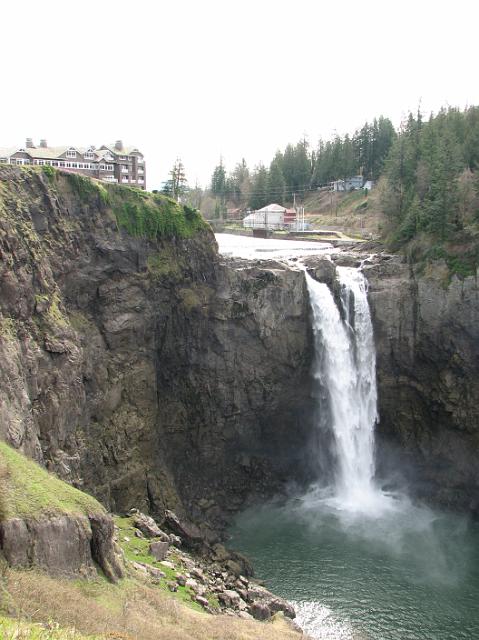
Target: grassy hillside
x=44 y=608
x=11 y=629
x=38 y=607
x=29 y=491
x=357 y=214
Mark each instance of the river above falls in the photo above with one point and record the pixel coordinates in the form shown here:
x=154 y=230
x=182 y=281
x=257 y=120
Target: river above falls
x=250 y=248
x=408 y=574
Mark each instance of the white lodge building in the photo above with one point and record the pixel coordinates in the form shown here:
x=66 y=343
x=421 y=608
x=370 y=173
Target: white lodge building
x=111 y=163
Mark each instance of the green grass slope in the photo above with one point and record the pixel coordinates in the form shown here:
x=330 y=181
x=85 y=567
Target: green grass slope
x=29 y=491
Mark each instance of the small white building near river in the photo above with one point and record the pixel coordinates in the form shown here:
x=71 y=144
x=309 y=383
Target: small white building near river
x=270 y=217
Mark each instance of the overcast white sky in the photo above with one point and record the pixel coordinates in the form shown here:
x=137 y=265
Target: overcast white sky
x=200 y=79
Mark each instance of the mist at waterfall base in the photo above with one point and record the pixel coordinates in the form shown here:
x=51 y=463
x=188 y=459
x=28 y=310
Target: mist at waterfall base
x=356 y=561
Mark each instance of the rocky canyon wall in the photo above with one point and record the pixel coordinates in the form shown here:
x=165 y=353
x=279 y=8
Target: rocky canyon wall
x=427 y=336
x=149 y=373
x=153 y=373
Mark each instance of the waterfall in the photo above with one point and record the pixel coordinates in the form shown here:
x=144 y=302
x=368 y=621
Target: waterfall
x=345 y=368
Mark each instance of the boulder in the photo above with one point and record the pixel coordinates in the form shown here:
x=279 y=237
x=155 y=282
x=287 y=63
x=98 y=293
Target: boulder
x=155 y=573
x=197 y=573
x=229 y=598
x=245 y=615
x=148 y=527
x=103 y=548
x=259 y=611
x=175 y=540
x=239 y=565
x=260 y=595
x=202 y=601
x=67 y=545
x=159 y=550
x=189 y=533
x=192 y=584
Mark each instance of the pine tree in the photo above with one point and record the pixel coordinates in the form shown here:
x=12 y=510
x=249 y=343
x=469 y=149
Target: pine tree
x=218 y=180
x=177 y=184
x=276 y=181
x=218 y=189
x=259 y=188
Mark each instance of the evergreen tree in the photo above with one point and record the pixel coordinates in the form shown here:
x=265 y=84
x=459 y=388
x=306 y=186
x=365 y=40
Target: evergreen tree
x=218 y=189
x=259 y=188
x=218 y=180
x=239 y=183
x=276 y=181
x=176 y=186
x=302 y=167
x=423 y=174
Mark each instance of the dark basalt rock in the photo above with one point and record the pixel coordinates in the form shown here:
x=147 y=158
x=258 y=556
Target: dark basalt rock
x=151 y=374
x=66 y=545
x=103 y=550
x=426 y=328
x=189 y=533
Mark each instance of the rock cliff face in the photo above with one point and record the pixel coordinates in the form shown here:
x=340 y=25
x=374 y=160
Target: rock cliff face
x=427 y=337
x=156 y=375
x=147 y=372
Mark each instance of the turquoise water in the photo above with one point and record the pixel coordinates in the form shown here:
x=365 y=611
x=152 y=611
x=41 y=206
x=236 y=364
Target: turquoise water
x=400 y=573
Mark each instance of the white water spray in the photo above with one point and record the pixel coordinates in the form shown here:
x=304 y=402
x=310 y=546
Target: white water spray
x=345 y=366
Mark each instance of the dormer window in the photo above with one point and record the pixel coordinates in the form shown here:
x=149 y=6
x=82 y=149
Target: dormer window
x=71 y=153
x=89 y=155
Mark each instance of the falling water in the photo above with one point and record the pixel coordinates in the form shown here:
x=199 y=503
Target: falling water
x=345 y=367
x=361 y=562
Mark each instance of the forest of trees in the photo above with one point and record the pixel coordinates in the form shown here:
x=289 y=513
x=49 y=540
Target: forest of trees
x=429 y=172
x=299 y=169
x=431 y=184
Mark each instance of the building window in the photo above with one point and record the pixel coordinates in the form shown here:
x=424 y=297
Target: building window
x=89 y=155
x=71 y=153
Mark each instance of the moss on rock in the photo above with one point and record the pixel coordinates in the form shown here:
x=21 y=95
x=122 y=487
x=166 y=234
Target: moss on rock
x=29 y=491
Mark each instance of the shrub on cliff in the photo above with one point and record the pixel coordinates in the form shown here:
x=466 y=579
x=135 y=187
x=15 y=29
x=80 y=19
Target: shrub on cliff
x=140 y=213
